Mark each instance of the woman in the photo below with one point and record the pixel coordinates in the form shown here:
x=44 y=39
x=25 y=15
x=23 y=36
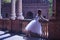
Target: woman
x=34 y=28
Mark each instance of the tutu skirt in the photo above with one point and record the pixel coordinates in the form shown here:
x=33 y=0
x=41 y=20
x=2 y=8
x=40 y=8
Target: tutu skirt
x=34 y=26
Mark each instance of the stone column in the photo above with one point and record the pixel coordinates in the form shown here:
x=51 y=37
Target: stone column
x=13 y=14
x=19 y=14
x=0 y=10
x=54 y=7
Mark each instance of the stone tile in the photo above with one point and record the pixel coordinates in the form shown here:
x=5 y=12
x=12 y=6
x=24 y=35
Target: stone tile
x=15 y=37
x=2 y=32
x=5 y=35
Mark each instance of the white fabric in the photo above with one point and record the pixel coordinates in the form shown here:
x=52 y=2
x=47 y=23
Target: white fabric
x=34 y=26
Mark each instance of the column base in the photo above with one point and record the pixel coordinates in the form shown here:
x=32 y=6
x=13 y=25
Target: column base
x=20 y=17
x=13 y=18
x=1 y=17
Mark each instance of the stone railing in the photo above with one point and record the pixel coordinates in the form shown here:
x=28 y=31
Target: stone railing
x=19 y=25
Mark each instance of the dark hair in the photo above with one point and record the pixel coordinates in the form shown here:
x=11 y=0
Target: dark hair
x=39 y=11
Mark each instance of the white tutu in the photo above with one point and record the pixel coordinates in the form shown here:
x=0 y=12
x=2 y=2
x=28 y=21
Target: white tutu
x=34 y=26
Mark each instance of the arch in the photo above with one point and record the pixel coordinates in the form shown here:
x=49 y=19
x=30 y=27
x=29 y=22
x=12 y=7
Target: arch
x=29 y=15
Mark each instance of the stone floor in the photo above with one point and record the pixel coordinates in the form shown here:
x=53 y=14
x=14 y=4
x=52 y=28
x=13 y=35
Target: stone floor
x=5 y=35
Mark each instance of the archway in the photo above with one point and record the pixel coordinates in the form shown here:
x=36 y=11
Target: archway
x=29 y=15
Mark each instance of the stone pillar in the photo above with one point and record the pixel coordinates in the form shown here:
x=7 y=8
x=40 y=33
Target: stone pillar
x=19 y=14
x=13 y=14
x=0 y=10
x=54 y=7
